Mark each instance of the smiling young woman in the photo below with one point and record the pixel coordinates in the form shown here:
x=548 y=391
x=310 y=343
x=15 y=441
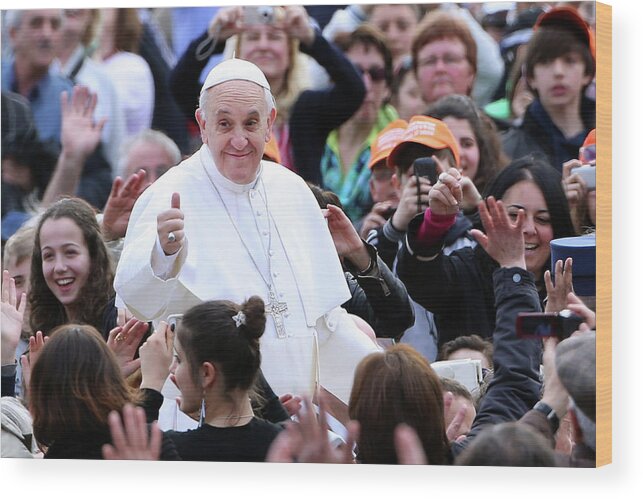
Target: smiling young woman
x=71 y=271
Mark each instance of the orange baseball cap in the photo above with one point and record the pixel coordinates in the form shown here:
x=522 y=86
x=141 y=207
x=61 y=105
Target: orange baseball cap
x=587 y=152
x=429 y=132
x=271 y=151
x=386 y=140
x=567 y=17
x=590 y=139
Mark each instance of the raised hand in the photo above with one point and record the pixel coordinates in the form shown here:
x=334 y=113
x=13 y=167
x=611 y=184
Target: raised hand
x=130 y=438
x=292 y=403
x=454 y=426
x=446 y=195
x=502 y=239
x=227 y=21
x=169 y=226
x=124 y=341
x=375 y=218
x=297 y=24
x=408 y=446
x=408 y=206
x=120 y=203
x=307 y=441
x=11 y=321
x=347 y=241
x=557 y=293
x=80 y=135
x=36 y=342
x=576 y=305
x=156 y=357
x=576 y=192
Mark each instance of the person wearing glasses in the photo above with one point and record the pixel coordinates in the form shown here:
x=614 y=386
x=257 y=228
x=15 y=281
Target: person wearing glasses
x=344 y=163
x=444 y=56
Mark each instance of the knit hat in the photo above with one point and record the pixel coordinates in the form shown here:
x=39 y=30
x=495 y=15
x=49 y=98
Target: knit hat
x=386 y=140
x=576 y=368
x=429 y=132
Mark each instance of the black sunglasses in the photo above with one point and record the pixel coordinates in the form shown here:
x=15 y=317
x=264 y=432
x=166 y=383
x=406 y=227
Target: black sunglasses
x=375 y=73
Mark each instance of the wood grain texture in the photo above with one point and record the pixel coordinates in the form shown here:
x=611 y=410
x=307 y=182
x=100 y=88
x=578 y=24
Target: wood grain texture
x=604 y=235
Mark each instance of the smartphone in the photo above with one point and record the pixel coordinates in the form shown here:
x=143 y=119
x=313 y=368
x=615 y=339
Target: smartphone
x=258 y=15
x=427 y=168
x=173 y=320
x=588 y=174
x=545 y=325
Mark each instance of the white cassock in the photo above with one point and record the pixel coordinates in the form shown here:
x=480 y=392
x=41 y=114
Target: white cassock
x=283 y=228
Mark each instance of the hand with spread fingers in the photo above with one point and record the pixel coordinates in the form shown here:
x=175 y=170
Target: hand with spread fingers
x=120 y=203
x=80 y=135
x=131 y=438
x=124 y=342
x=307 y=441
x=503 y=239
x=169 y=227
x=558 y=290
x=11 y=320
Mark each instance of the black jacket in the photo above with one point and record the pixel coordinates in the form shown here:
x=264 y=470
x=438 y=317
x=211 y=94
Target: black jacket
x=457 y=288
x=515 y=386
x=380 y=299
x=538 y=136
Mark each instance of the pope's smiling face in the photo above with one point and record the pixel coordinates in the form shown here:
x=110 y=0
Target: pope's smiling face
x=236 y=125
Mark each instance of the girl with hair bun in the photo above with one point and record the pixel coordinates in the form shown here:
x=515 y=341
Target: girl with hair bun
x=216 y=360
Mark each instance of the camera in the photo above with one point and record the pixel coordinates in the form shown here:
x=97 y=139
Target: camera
x=545 y=325
x=588 y=174
x=258 y=15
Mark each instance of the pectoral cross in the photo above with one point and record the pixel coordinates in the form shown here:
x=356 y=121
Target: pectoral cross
x=277 y=309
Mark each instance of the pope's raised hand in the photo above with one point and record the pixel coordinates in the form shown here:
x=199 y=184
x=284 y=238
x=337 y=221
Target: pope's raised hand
x=169 y=226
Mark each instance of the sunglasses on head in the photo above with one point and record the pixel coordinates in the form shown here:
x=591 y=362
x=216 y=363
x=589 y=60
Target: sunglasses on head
x=375 y=73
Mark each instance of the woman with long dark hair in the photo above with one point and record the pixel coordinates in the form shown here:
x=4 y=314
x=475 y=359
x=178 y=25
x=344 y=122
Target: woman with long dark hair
x=71 y=270
x=216 y=364
x=458 y=288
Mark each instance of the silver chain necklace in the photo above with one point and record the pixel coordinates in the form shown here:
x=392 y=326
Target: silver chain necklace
x=275 y=308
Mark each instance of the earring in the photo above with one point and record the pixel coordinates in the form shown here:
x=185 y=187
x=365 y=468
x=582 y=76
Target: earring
x=202 y=413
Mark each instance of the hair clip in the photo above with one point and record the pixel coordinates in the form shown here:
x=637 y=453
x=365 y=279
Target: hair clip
x=239 y=319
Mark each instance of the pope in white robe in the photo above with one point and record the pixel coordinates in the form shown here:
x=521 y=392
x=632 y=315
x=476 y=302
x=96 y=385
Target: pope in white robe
x=238 y=235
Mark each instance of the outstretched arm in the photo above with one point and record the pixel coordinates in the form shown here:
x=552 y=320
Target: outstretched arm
x=80 y=136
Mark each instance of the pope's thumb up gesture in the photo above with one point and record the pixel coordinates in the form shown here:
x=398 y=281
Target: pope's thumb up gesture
x=169 y=226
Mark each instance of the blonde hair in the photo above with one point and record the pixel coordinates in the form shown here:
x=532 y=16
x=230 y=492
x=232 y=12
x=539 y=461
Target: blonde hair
x=20 y=245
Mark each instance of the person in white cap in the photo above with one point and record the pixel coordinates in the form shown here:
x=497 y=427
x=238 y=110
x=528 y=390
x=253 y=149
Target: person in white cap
x=224 y=224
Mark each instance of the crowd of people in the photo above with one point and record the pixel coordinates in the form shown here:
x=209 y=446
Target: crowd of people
x=266 y=242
